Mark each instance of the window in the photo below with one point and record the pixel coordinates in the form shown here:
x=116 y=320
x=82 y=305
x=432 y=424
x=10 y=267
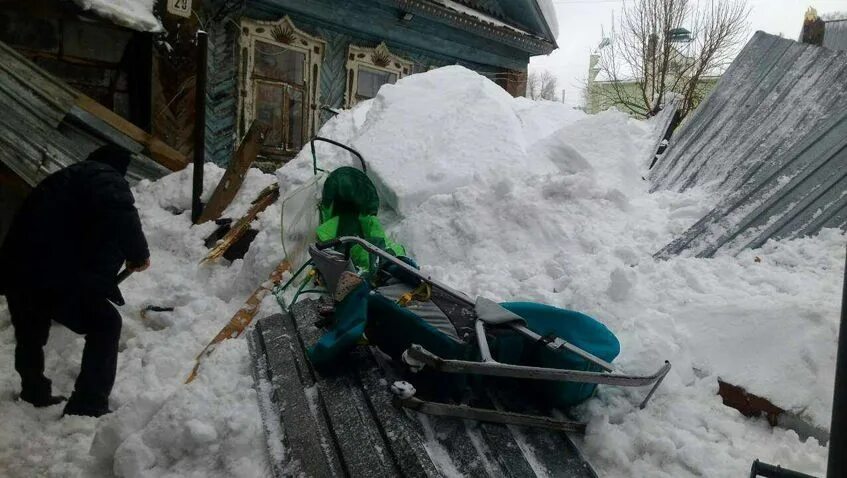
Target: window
x=279 y=85
x=370 y=80
x=370 y=68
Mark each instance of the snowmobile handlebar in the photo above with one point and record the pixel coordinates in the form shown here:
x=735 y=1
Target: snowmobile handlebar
x=330 y=244
x=334 y=143
x=394 y=260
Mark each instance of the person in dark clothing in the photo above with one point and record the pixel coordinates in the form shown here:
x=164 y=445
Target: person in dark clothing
x=60 y=261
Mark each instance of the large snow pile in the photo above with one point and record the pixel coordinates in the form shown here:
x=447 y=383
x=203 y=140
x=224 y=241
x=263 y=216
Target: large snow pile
x=502 y=197
x=521 y=200
x=134 y=14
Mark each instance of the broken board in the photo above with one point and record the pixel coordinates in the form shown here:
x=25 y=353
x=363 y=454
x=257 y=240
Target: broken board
x=346 y=424
x=236 y=325
x=233 y=177
x=268 y=196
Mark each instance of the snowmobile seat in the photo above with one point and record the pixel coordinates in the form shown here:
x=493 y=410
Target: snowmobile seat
x=349 y=206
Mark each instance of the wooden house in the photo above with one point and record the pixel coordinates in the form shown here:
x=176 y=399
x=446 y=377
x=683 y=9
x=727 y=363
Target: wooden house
x=288 y=65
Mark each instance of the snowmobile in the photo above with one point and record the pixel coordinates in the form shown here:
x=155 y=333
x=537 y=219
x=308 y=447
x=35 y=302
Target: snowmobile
x=371 y=377
x=426 y=324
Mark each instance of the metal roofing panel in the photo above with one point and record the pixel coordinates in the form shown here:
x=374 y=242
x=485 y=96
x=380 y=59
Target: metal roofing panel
x=771 y=143
x=37 y=134
x=835 y=35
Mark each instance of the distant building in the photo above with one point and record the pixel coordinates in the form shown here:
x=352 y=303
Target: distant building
x=602 y=92
x=828 y=32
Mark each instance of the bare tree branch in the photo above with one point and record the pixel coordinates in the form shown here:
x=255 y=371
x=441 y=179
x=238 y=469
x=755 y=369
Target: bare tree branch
x=542 y=86
x=664 y=48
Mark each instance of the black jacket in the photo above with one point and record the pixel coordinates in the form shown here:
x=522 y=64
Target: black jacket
x=74 y=232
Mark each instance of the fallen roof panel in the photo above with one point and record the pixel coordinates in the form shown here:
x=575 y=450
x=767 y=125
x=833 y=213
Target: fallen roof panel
x=47 y=125
x=771 y=143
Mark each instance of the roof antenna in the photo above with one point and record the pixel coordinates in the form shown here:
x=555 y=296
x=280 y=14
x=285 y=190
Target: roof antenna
x=613 y=22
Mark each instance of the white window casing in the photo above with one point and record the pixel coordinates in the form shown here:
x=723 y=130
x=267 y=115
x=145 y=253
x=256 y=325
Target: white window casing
x=373 y=61
x=284 y=37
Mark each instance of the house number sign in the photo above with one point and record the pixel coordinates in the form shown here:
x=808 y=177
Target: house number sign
x=181 y=8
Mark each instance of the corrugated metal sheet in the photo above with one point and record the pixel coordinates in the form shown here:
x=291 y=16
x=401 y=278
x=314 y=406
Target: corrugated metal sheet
x=835 y=34
x=661 y=124
x=40 y=129
x=771 y=143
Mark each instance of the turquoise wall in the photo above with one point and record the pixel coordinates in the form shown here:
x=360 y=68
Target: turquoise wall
x=222 y=101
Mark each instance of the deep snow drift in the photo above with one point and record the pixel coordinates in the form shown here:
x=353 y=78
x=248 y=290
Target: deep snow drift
x=501 y=197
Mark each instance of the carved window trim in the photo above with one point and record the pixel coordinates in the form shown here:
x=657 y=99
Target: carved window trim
x=379 y=58
x=284 y=34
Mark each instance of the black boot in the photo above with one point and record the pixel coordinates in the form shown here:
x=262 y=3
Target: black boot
x=41 y=400
x=78 y=405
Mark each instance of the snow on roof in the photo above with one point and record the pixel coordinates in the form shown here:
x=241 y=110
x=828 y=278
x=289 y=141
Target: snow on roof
x=458 y=7
x=834 y=16
x=134 y=14
x=549 y=12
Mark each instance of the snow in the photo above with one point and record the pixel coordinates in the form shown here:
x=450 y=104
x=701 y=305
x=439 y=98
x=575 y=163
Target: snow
x=134 y=14
x=501 y=197
x=499 y=201
x=549 y=12
x=458 y=7
x=403 y=389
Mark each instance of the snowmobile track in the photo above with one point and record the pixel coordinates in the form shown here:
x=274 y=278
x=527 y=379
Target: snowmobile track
x=346 y=424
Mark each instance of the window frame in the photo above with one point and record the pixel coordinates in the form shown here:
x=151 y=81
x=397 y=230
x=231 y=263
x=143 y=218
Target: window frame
x=281 y=34
x=380 y=59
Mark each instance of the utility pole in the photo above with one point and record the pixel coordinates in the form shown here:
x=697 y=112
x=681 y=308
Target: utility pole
x=199 y=125
x=838 y=429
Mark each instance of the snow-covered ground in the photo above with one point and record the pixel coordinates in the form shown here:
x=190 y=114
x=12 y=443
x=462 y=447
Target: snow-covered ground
x=501 y=197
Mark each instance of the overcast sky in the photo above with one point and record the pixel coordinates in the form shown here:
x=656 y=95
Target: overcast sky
x=580 y=24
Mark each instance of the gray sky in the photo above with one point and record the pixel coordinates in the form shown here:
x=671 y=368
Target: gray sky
x=580 y=22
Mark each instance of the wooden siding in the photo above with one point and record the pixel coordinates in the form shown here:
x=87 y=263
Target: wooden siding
x=334 y=73
x=224 y=55
x=222 y=93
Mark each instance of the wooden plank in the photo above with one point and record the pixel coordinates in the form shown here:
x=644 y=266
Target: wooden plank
x=751 y=405
x=234 y=175
x=242 y=318
x=156 y=148
x=267 y=197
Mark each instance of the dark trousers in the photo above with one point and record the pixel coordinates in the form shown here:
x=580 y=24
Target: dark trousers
x=95 y=318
